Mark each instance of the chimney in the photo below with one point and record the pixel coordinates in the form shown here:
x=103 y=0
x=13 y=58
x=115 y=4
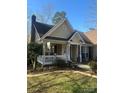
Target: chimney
x=32 y=28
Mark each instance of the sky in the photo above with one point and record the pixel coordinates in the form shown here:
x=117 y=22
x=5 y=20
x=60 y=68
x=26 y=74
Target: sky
x=80 y=13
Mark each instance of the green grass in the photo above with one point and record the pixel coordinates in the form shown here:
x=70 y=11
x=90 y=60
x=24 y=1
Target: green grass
x=56 y=82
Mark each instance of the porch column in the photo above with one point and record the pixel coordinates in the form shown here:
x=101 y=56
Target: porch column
x=88 y=51
x=68 y=51
x=77 y=51
x=80 y=55
x=44 y=52
x=85 y=53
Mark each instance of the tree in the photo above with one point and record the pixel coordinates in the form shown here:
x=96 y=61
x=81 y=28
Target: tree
x=58 y=17
x=44 y=14
x=91 y=17
x=33 y=50
x=47 y=12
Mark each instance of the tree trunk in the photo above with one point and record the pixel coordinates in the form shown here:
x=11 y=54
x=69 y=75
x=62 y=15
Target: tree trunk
x=34 y=64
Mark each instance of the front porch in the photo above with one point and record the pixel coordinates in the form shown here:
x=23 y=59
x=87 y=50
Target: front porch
x=52 y=49
x=68 y=51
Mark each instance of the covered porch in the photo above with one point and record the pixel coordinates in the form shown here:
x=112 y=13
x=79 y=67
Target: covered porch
x=52 y=49
x=67 y=51
x=80 y=53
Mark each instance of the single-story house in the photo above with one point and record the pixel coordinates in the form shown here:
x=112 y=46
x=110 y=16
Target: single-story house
x=62 y=41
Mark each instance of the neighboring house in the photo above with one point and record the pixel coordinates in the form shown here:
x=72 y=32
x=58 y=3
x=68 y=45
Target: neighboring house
x=62 y=41
x=92 y=36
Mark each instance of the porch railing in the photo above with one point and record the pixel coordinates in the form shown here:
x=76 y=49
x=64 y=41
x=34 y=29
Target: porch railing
x=49 y=59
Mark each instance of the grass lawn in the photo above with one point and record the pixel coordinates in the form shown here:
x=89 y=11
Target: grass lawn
x=61 y=82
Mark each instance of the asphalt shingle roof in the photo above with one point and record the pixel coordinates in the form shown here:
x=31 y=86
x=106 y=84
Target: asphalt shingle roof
x=92 y=36
x=42 y=28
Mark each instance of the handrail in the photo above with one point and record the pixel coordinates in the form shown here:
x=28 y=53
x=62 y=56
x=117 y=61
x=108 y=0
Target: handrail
x=49 y=59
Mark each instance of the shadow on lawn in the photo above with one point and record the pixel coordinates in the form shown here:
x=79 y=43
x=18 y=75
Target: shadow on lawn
x=76 y=86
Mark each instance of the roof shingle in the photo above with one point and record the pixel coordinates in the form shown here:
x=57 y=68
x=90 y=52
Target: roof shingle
x=42 y=28
x=92 y=36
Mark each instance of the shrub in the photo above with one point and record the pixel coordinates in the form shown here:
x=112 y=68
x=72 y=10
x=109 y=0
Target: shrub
x=93 y=65
x=33 y=50
x=60 y=63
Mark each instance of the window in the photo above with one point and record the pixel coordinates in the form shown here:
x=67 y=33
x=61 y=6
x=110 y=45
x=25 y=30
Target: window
x=58 y=49
x=86 y=54
x=84 y=51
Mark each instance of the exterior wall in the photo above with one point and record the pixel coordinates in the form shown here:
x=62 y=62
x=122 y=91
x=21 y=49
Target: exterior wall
x=76 y=39
x=95 y=52
x=63 y=31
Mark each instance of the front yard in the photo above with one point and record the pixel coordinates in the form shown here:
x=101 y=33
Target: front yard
x=61 y=82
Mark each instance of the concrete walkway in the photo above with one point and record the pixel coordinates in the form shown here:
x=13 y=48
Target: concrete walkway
x=83 y=73
x=82 y=66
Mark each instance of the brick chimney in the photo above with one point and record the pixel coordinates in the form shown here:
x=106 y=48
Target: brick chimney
x=32 y=28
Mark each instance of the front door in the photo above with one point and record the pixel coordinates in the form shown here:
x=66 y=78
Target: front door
x=73 y=53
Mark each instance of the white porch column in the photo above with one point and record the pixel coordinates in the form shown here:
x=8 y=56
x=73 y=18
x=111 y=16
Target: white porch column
x=44 y=48
x=68 y=51
x=77 y=51
x=85 y=52
x=80 y=55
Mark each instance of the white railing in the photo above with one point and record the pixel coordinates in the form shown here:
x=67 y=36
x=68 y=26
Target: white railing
x=49 y=59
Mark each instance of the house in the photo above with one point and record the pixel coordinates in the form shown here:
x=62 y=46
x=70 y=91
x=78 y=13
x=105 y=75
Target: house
x=92 y=36
x=62 y=41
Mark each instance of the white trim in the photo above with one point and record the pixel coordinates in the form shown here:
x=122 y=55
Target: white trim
x=73 y=43
x=77 y=52
x=56 y=41
x=86 y=44
x=53 y=29
x=80 y=55
x=44 y=49
x=36 y=34
x=56 y=26
x=78 y=35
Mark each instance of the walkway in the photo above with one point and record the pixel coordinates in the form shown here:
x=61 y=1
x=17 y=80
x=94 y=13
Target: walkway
x=82 y=66
x=83 y=73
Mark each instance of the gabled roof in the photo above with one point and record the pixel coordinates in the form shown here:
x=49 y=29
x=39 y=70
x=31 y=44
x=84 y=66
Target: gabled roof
x=54 y=28
x=91 y=36
x=42 y=28
x=73 y=34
